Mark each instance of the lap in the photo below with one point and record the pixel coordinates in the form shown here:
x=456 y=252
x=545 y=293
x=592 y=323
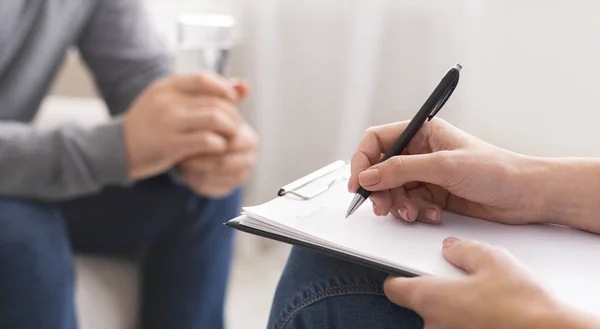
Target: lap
x=187 y=251
x=36 y=274
x=117 y=220
x=319 y=291
x=121 y=219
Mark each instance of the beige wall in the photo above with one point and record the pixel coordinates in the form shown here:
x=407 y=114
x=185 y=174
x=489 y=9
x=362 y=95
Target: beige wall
x=73 y=79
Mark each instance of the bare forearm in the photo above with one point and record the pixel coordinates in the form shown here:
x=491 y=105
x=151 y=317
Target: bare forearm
x=567 y=191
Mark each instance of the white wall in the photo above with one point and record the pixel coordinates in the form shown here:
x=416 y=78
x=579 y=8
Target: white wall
x=531 y=75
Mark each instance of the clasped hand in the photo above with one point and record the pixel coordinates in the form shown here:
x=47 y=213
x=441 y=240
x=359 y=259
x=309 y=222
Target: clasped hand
x=191 y=122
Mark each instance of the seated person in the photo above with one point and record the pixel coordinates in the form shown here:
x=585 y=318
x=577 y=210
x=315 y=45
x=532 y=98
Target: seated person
x=446 y=168
x=105 y=189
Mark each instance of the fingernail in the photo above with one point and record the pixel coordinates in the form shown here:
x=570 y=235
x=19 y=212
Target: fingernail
x=370 y=177
x=374 y=208
x=449 y=242
x=403 y=211
x=432 y=215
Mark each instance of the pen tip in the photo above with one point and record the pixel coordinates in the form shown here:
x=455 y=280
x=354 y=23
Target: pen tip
x=458 y=66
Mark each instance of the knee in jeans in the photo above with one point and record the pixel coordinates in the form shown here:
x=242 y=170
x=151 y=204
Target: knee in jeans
x=35 y=257
x=28 y=224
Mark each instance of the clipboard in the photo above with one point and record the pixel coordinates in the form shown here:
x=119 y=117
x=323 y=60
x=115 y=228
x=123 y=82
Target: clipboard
x=378 y=242
x=307 y=188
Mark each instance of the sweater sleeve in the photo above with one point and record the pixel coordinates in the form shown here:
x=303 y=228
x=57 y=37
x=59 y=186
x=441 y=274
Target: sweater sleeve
x=54 y=165
x=123 y=51
x=125 y=55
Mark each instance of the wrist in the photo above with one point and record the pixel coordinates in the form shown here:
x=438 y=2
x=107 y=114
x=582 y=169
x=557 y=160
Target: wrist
x=563 y=191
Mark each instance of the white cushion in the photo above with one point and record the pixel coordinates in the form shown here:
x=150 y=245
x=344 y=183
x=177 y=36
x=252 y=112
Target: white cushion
x=107 y=293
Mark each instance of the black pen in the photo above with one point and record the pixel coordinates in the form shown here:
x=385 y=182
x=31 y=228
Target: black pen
x=432 y=106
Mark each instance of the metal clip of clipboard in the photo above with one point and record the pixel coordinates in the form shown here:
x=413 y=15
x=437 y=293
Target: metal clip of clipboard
x=314 y=183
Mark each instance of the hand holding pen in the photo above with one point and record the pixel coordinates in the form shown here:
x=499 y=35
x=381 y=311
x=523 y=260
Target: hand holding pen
x=429 y=109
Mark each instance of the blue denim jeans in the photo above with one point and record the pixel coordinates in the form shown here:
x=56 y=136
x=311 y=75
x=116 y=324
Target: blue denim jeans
x=186 y=254
x=318 y=291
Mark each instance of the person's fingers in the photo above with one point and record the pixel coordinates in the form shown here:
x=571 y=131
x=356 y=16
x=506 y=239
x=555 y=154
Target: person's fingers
x=382 y=202
x=359 y=162
x=208 y=120
x=401 y=291
x=226 y=180
x=472 y=256
x=434 y=168
x=430 y=210
x=434 y=136
x=402 y=206
x=379 y=139
x=213 y=185
x=200 y=143
x=245 y=140
x=205 y=83
x=373 y=144
x=411 y=293
x=227 y=164
x=203 y=103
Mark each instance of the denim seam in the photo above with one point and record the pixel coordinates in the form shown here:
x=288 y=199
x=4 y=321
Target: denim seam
x=329 y=292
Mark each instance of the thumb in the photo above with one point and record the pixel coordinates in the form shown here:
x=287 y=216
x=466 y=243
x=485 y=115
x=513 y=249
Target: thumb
x=205 y=84
x=399 y=170
x=406 y=292
x=471 y=256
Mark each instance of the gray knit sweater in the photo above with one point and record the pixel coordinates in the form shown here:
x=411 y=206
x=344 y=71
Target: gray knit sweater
x=117 y=43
